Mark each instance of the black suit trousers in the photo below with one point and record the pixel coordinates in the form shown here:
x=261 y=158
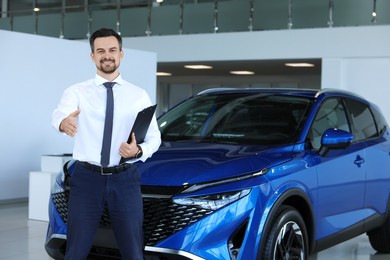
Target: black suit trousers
x=89 y=193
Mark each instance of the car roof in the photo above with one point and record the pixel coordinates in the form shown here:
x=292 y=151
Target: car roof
x=309 y=93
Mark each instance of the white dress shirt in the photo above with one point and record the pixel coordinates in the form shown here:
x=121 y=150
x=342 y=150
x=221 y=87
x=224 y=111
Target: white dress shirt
x=90 y=97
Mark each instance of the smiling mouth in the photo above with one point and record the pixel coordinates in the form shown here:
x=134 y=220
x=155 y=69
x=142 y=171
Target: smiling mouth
x=107 y=61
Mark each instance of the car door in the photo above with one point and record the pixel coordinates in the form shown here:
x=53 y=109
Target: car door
x=370 y=130
x=341 y=172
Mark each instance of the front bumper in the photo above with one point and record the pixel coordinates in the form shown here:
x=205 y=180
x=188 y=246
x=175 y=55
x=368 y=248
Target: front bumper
x=171 y=231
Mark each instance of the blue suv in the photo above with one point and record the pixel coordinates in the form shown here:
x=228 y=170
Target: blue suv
x=255 y=174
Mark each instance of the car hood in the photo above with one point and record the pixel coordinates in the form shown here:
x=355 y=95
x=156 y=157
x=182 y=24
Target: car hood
x=178 y=163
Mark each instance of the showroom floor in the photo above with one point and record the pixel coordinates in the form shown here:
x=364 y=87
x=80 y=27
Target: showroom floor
x=23 y=239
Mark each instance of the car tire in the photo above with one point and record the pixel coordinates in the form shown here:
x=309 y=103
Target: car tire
x=380 y=237
x=287 y=236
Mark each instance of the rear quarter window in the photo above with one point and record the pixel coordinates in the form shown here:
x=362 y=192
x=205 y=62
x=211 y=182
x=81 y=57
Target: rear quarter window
x=379 y=120
x=363 y=122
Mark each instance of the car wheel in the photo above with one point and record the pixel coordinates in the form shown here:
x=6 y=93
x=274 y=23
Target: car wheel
x=380 y=237
x=287 y=236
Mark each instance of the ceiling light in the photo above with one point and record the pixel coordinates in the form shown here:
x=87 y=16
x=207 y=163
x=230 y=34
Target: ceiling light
x=303 y=64
x=159 y=1
x=36 y=9
x=198 y=67
x=242 y=72
x=164 y=74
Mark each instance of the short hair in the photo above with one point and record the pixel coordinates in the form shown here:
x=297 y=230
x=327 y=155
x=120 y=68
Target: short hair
x=104 y=32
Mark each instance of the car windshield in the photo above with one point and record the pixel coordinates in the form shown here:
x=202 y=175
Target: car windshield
x=244 y=118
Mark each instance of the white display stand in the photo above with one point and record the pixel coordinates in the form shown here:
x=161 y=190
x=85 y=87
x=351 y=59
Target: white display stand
x=41 y=183
x=54 y=163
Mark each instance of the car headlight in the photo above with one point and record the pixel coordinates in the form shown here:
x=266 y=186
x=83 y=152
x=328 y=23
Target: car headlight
x=213 y=201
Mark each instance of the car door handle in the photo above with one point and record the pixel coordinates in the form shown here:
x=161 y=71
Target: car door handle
x=359 y=161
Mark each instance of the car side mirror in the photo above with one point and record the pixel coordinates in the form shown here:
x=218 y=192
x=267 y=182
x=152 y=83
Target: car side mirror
x=334 y=138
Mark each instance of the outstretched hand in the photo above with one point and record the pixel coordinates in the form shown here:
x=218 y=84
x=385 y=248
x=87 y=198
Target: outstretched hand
x=129 y=150
x=69 y=124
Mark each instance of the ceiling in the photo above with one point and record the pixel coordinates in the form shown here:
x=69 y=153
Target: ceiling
x=260 y=67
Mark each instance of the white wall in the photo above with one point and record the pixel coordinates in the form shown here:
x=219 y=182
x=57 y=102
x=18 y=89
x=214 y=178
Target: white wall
x=366 y=76
x=353 y=58
x=364 y=41
x=35 y=70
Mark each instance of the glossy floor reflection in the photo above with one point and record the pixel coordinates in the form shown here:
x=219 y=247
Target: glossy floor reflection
x=23 y=239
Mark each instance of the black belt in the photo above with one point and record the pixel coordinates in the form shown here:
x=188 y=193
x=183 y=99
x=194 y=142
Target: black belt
x=106 y=170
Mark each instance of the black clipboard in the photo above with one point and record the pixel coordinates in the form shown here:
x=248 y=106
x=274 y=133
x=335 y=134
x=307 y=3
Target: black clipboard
x=141 y=126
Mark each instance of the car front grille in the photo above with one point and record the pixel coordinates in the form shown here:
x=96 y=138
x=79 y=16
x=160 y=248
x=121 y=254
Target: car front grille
x=162 y=217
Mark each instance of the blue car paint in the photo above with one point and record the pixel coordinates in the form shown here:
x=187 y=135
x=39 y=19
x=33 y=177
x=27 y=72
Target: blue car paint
x=336 y=201
x=57 y=225
x=261 y=193
x=201 y=238
x=192 y=162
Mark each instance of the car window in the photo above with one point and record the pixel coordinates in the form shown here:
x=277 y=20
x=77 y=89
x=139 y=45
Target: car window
x=236 y=118
x=271 y=119
x=331 y=114
x=186 y=121
x=362 y=119
x=380 y=121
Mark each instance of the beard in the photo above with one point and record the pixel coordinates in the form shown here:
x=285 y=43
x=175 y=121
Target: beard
x=107 y=66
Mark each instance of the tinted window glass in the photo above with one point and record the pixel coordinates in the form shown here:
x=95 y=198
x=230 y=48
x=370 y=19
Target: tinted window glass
x=362 y=119
x=380 y=121
x=236 y=118
x=330 y=115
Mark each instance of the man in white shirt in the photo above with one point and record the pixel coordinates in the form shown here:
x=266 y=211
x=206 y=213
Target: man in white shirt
x=81 y=114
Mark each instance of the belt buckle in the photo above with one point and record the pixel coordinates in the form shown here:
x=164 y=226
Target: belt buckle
x=104 y=173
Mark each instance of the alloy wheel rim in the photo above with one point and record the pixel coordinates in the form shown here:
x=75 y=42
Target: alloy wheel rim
x=289 y=243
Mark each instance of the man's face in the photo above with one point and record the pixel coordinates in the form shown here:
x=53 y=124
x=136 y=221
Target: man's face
x=106 y=55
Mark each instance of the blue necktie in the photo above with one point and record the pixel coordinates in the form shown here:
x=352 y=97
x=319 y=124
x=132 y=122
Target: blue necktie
x=106 y=147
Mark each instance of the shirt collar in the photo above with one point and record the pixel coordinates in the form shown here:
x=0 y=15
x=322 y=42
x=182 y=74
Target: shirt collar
x=100 y=80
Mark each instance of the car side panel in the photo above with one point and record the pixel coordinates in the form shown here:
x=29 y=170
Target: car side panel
x=340 y=191
x=297 y=178
x=378 y=175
